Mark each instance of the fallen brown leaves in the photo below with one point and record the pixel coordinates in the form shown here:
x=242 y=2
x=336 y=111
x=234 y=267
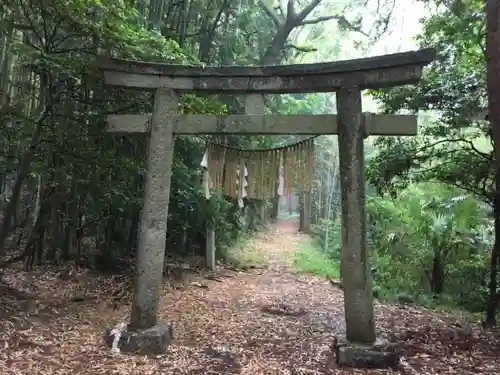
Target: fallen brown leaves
x=258 y=322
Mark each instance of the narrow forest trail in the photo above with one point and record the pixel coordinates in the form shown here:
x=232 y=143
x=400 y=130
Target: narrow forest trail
x=267 y=321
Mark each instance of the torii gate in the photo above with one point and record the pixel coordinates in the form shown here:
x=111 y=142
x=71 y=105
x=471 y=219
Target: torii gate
x=346 y=78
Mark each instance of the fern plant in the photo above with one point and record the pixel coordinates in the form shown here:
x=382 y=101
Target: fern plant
x=422 y=235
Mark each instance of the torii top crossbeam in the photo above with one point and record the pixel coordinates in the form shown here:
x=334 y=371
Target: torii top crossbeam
x=366 y=73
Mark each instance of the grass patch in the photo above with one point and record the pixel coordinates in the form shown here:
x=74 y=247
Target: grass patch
x=310 y=259
x=244 y=253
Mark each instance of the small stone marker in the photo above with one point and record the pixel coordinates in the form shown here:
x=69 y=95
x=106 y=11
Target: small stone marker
x=154 y=340
x=379 y=355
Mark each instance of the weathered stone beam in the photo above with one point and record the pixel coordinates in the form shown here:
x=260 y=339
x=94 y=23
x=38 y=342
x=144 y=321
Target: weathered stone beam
x=366 y=73
x=262 y=124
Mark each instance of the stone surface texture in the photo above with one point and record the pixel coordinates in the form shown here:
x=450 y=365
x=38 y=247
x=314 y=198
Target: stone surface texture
x=354 y=262
x=154 y=340
x=380 y=124
x=379 y=355
x=367 y=73
x=153 y=226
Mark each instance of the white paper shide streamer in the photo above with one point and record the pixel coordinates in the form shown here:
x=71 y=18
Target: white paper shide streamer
x=206 y=175
x=259 y=174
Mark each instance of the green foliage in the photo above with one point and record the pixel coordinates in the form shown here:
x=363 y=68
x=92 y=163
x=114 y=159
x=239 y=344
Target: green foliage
x=433 y=237
x=243 y=253
x=452 y=146
x=431 y=240
x=90 y=186
x=429 y=245
x=96 y=180
x=326 y=236
x=310 y=259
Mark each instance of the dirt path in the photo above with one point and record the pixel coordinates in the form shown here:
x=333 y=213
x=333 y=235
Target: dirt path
x=268 y=321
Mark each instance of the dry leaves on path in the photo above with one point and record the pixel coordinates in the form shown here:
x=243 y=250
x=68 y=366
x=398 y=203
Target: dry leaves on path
x=260 y=322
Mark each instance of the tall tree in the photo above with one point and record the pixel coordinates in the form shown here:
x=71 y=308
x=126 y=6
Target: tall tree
x=493 y=84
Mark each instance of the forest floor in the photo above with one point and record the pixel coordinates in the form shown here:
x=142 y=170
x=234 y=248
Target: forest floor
x=50 y=324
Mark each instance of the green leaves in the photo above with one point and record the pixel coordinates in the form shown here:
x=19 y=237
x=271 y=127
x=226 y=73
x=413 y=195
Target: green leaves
x=453 y=145
x=427 y=226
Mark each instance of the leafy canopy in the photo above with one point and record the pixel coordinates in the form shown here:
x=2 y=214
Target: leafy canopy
x=453 y=145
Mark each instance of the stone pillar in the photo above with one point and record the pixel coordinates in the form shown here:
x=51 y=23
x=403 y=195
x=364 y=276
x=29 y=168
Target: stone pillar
x=354 y=263
x=210 y=248
x=153 y=226
x=263 y=211
x=254 y=105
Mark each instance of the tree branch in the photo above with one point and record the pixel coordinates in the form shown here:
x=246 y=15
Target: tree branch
x=281 y=10
x=320 y=19
x=341 y=20
x=277 y=19
x=305 y=12
x=272 y=54
x=290 y=11
x=301 y=49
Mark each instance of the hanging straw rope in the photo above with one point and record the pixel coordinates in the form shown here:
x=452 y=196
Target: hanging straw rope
x=226 y=165
x=258 y=149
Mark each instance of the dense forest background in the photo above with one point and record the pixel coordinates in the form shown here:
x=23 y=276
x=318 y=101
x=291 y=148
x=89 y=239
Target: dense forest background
x=70 y=194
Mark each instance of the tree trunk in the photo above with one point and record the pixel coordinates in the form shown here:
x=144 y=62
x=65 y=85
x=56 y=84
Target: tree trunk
x=70 y=227
x=305 y=213
x=491 y=304
x=272 y=56
x=493 y=84
x=10 y=210
x=133 y=232
x=275 y=207
x=437 y=277
x=301 y=213
x=24 y=165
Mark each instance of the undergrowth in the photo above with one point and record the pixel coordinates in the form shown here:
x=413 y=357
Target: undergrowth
x=310 y=259
x=243 y=253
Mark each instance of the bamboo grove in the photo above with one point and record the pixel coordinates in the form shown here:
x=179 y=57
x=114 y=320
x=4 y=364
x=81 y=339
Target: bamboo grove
x=67 y=191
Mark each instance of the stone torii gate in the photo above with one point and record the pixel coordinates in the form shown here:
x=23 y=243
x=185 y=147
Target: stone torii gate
x=346 y=78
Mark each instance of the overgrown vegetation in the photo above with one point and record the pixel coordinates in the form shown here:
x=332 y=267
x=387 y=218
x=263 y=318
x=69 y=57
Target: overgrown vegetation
x=431 y=196
x=310 y=259
x=244 y=253
x=431 y=242
x=70 y=193
x=430 y=245
x=452 y=158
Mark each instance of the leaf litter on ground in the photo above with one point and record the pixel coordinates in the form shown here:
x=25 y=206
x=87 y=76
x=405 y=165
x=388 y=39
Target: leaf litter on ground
x=258 y=322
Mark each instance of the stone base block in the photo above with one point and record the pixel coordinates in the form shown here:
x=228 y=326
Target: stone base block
x=379 y=355
x=154 y=340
